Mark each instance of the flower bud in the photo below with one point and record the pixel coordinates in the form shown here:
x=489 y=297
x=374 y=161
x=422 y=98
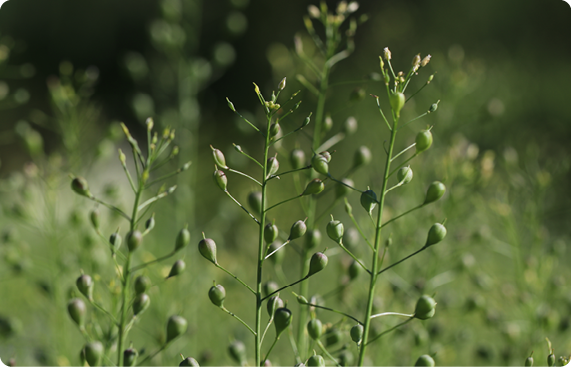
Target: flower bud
x=362 y=156
x=433 y=107
x=220 y=179
x=404 y=175
x=425 y=61
x=219 y=158
x=237 y=351
x=342 y=190
x=231 y=105
x=368 y=200
x=176 y=326
x=141 y=284
x=85 y=285
x=425 y=360
x=297 y=158
x=313 y=239
x=93 y=352
x=387 y=53
x=354 y=270
x=115 y=240
x=177 y=268
x=435 y=191
x=278 y=256
x=282 y=84
x=76 y=309
x=423 y=141
x=357 y=333
x=80 y=186
x=182 y=239
x=397 y=101
x=217 y=294
x=317 y=263
x=297 y=230
x=270 y=232
x=425 y=308
x=314 y=186
x=274 y=303
x=255 y=201
x=314 y=328
x=319 y=164
x=416 y=62
x=189 y=361
x=134 y=239
x=274 y=129
x=436 y=233
x=350 y=125
x=141 y=303
x=282 y=319
x=207 y=248
x=94 y=217
x=130 y=357
x=335 y=230
x=269 y=287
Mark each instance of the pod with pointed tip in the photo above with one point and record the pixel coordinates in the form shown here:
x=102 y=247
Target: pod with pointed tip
x=217 y=294
x=176 y=326
x=425 y=307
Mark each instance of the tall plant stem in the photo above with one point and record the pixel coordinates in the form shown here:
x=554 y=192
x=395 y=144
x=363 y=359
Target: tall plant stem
x=376 y=259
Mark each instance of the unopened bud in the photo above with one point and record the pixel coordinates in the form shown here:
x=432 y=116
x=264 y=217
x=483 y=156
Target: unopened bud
x=425 y=61
x=387 y=53
x=416 y=62
x=282 y=84
x=219 y=158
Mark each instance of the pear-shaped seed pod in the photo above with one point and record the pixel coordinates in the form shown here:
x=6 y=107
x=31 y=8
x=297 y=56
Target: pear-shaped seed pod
x=425 y=307
x=529 y=361
x=176 y=326
x=362 y=157
x=177 y=268
x=314 y=186
x=189 y=361
x=354 y=270
x=150 y=223
x=314 y=328
x=76 y=309
x=335 y=230
x=397 y=101
x=404 y=175
x=274 y=129
x=316 y=361
x=217 y=294
x=130 y=357
x=115 y=240
x=350 y=125
x=313 y=239
x=357 y=333
x=319 y=164
x=317 y=263
x=423 y=141
x=80 y=186
x=182 y=239
x=368 y=200
x=436 y=233
x=141 y=284
x=274 y=303
x=134 y=240
x=141 y=303
x=237 y=351
x=551 y=360
x=207 y=248
x=85 y=285
x=435 y=191
x=297 y=158
x=93 y=352
x=269 y=287
x=297 y=230
x=282 y=319
x=273 y=166
x=425 y=360
x=94 y=218
x=271 y=232
x=255 y=201
x=221 y=179
x=219 y=158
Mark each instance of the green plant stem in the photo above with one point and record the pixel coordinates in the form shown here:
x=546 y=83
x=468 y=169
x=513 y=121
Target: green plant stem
x=333 y=310
x=401 y=260
x=242 y=206
x=245 y=175
x=391 y=314
x=327 y=353
x=235 y=277
x=270 y=350
x=387 y=331
x=286 y=286
x=238 y=318
x=402 y=215
x=142 y=266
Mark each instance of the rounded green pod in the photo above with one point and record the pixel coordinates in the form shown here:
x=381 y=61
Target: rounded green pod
x=141 y=284
x=237 y=351
x=94 y=218
x=423 y=140
x=274 y=129
x=80 y=186
x=189 y=361
x=182 y=239
x=368 y=200
x=327 y=124
x=433 y=107
x=312 y=239
x=404 y=175
x=435 y=191
x=282 y=319
x=346 y=358
x=436 y=233
x=314 y=328
x=528 y=361
x=85 y=285
x=319 y=164
x=362 y=156
x=76 y=309
x=220 y=179
x=274 y=303
x=297 y=230
x=397 y=101
x=269 y=287
x=314 y=186
x=93 y=352
x=255 y=201
x=350 y=125
x=177 y=268
x=115 y=241
x=343 y=190
x=134 y=240
x=141 y=303
x=130 y=357
x=219 y=158
x=207 y=248
x=217 y=294
x=333 y=336
x=317 y=263
x=357 y=333
x=297 y=158
x=316 y=360
x=551 y=360
x=425 y=307
x=354 y=270
x=424 y=360
x=335 y=230
x=273 y=166
x=176 y=326
x=271 y=232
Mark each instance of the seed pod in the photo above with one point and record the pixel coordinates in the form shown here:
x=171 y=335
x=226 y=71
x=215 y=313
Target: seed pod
x=350 y=125
x=274 y=303
x=217 y=294
x=182 y=239
x=327 y=124
x=282 y=319
x=435 y=191
x=397 y=101
x=150 y=223
x=351 y=237
x=237 y=351
x=335 y=230
x=314 y=186
x=273 y=166
x=141 y=303
x=297 y=159
x=141 y=284
x=316 y=360
x=255 y=201
x=134 y=239
x=332 y=336
x=76 y=309
x=433 y=107
x=404 y=175
x=529 y=361
x=297 y=230
x=301 y=300
x=115 y=240
x=278 y=256
x=270 y=232
x=346 y=358
x=269 y=287
x=219 y=158
x=130 y=357
x=85 y=285
x=313 y=239
x=317 y=263
x=220 y=179
x=94 y=217
x=176 y=326
x=362 y=157
x=425 y=308
x=274 y=130
x=436 y=233
x=93 y=352
x=207 y=248
x=368 y=200
x=80 y=186
x=551 y=360
x=319 y=164
x=424 y=360
x=314 y=328
x=189 y=361
x=343 y=190
x=354 y=270
x=177 y=268
x=423 y=141
x=357 y=333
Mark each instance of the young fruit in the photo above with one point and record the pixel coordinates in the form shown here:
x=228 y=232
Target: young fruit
x=274 y=303
x=93 y=352
x=423 y=141
x=435 y=191
x=357 y=333
x=335 y=230
x=80 y=186
x=273 y=166
x=314 y=328
x=404 y=175
x=313 y=239
x=277 y=256
x=424 y=360
x=217 y=294
x=182 y=239
x=282 y=319
x=237 y=351
x=134 y=239
x=316 y=360
x=269 y=287
x=397 y=101
x=270 y=232
x=317 y=263
x=220 y=179
x=207 y=248
x=297 y=159
x=319 y=164
x=314 y=186
x=354 y=270
x=333 y=336
x=368 y=200
x=189 y=361
x=141 y=303
x=343 y=190
x=436 y=233
x=76 y=309
x=362 y=157
x=141 y=284
x=425 y=308
x=297 y=230
x=219 y=158
x=177 y=268
x=255 y=201
x=85 y=285
x=176 y=326
x=130 y=357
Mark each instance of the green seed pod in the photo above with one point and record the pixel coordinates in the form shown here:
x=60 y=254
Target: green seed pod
x=255 y=201
x=278 y=256
x=551 y=360
x=141 y=303
x=529 y=361
x=350 y=125
x=76 y=309
x=85 y=285
x=93 y=352
x=368 y=200
x=94 y=217
x=301 y=300
x=182 y=239
x=316 y=361
x=176 y=326
x=150 y=223
x=423 y=141
x=357 y=333
x=314 y=186
x=130 y=357
x=346 y=358
x=270 y=232
x=219 y=158
x=327 y=124
x=274 y=303
x=424 y=360
x=435 y=191
x=425 y=308
x=207 y=248
x=237 y=351
x=189 y=361
x=141 y=284
x=282 y=319
x=273 y=166
x=177 y=268
x=335 y=230
x=217 y=294
x=115 y=240
x=297 y=159
x=134 y=239
x=221 y=179
x=433 y=107
x=314 y=328
x=436 y=233
x=317 y=263
x=297 y=230
x=404 y=175
x=269 y=287
x=333 y=336
x=80 y=186
x=342 y=190
x=397 y=101
x=274 y=130
x=313 y=239
x=362 y=157
x=354 y=270
x=319 y=164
